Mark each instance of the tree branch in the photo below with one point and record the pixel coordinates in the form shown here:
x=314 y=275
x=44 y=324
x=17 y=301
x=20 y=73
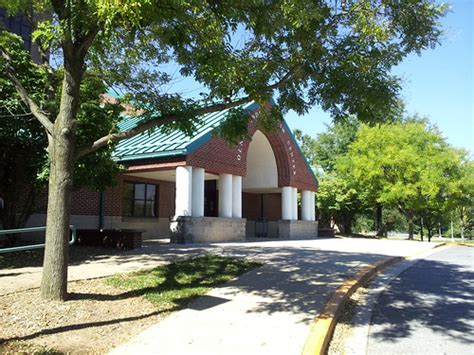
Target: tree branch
x=33 y=106
x=157 y=122
x=162 y=120
x=42 y=53
x=85 y=42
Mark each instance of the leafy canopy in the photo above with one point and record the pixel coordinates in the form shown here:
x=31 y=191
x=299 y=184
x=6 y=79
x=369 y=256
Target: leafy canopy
x=335 y=54
x=22 y=135
x=339 y=199
x=408 y=164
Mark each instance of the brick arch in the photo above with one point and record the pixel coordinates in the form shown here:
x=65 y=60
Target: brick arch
x=277 y=144
x=216 y=156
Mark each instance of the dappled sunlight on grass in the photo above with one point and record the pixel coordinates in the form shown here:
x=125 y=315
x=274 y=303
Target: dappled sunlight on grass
x=174 y=285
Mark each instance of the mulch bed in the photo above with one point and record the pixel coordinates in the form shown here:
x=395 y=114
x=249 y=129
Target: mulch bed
x=96 y=318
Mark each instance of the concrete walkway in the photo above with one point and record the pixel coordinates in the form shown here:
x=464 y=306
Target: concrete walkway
x=150 y=256
x=268 y=310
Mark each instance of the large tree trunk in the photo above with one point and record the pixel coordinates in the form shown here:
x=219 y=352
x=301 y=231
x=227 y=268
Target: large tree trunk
x=378 y=221
x=54 y=279
x=346 y=224
x=421 y=228
x=410 y=224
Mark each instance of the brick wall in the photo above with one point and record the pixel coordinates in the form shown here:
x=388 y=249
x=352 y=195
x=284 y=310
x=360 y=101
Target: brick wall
x=83 y=202
x=166 y=196
x=86 y=202
x=216 y=156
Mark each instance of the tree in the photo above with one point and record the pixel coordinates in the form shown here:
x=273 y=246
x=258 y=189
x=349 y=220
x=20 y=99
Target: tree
x=24 y=165
x=337 y=201
x=306 y=52
x=325 y=149
x=408 y=165
x=22 y=145
x=461 y=197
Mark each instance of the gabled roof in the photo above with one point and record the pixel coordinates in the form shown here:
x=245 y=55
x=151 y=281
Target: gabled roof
x=157 y=144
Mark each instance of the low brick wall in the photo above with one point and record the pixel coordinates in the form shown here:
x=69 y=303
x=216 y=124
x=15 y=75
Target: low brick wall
x=111 y=238
x=207 y=229
x=297 y=229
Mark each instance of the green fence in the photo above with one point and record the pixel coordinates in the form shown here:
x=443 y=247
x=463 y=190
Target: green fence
x=30 y=230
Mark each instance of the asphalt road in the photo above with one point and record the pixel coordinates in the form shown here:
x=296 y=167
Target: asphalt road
x=427 y=309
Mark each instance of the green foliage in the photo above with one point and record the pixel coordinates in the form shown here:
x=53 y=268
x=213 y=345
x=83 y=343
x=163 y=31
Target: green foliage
x=337 y=198
x=337 y=55
x=172 y=287
x=407 y=165
x=22 y=139
x=403 y=163
x=392 y=221
x=23 y=143
x=337 y=201
x=329 y=146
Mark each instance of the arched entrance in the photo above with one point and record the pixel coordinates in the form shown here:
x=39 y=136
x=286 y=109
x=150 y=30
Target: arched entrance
x=261 y=195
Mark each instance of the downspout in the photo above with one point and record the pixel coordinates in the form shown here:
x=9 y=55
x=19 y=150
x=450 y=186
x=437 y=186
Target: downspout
x=101 y=210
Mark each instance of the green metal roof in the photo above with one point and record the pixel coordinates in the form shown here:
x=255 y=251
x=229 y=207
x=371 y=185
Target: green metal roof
x=156 y=144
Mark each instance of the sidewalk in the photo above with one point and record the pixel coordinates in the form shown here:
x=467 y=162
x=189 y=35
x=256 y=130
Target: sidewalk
x=150 y=256
x=268 y=310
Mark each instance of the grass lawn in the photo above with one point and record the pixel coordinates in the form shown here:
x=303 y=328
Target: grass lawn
x=173 y=286
x=101 y=314
x=467 y=242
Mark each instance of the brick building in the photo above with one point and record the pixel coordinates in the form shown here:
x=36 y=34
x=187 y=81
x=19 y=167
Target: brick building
x=21 y=26
x=200 y=189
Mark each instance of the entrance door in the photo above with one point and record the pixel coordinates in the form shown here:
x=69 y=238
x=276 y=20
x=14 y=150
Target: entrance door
x=210 y=198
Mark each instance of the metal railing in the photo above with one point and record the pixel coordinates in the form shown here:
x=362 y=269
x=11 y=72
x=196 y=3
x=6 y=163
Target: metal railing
x=29 y=230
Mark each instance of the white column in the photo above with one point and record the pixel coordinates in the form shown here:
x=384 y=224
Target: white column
x=236 y=196
x=184 y=176
x=225 y=195
x=286 y=202
x=313 y=205
x=295 y=203
x=306 y=205
x=198 y=192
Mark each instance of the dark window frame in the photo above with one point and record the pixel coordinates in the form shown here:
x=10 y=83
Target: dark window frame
x=132 y=202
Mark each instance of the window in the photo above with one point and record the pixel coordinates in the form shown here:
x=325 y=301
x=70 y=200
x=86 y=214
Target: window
x=140 y=200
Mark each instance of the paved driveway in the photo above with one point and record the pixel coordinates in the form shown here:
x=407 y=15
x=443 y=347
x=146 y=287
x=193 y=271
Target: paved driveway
x=268 y=310
x=428 y=309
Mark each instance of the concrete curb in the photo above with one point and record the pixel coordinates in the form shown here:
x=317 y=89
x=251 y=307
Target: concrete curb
x=323 y=326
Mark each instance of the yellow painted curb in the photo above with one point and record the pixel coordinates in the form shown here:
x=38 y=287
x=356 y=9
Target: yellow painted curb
x=323 y=326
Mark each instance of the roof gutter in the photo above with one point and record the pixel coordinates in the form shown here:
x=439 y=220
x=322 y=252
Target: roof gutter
x=171 y=153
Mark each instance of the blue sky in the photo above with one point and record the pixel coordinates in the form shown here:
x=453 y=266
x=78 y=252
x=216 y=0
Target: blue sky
x=438 y=84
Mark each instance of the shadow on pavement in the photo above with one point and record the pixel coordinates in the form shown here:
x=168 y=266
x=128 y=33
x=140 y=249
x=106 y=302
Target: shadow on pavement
x=292 y=280
x=440 y=300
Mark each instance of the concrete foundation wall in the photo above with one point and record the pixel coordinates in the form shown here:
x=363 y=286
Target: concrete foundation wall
x=272 y=229
x=297 y=229
x=207 y=229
